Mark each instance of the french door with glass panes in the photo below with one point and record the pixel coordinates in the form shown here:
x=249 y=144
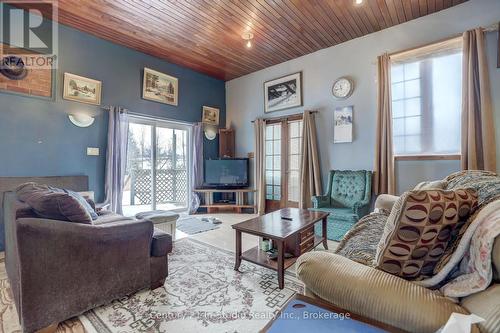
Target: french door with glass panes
x=283 y=157
x=157 y=173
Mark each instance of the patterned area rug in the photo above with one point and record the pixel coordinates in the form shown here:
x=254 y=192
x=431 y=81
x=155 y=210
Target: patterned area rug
x=202 y=294
x=193 y=225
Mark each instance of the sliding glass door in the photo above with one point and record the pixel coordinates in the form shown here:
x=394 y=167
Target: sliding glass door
x=138 y=184
x=158 y=158
x=171 y=171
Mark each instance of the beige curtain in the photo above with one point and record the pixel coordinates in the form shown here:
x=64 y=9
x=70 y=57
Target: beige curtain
x=478 y=132
x=383 y=171
x=259 y=166
x=310 y=177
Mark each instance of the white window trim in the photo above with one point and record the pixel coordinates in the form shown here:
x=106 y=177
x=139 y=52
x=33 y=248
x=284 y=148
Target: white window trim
x=415 y=53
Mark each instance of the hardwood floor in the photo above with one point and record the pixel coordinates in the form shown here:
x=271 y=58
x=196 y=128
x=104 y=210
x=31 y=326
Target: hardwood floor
x=222 y=237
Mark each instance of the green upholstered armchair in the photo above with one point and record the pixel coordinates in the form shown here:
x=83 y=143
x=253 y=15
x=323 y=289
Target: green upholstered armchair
x=347 y=200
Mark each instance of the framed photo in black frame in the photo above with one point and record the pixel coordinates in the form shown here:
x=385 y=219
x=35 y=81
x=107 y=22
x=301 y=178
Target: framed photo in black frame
x=283 y=93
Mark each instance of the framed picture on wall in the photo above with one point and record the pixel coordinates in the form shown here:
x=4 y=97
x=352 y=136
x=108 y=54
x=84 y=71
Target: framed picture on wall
x=283 y=93
x=342 y=131
x=81 y=89
x=210 y=116
x=160 y=87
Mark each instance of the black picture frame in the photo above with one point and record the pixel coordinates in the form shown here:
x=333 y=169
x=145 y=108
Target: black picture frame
x=299 y=91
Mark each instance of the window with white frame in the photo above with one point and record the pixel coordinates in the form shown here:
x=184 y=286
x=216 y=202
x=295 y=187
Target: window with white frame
x=426 y=100
x=273 y=161
x=294 y=159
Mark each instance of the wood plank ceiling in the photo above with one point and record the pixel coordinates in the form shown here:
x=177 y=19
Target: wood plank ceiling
x=205 y=35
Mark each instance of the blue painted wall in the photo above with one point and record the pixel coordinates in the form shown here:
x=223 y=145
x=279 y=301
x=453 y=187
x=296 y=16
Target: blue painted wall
x=37 y=138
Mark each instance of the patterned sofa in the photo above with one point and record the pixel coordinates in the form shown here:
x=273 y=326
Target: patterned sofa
x=350 y=280
x=347 y=200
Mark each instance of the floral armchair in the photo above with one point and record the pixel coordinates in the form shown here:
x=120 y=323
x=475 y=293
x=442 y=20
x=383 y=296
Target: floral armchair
x=347 y=200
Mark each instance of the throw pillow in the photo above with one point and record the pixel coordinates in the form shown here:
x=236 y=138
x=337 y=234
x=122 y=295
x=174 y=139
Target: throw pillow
x=84 y=202
x=433 y=185
x=419 y=228
x=53 y=203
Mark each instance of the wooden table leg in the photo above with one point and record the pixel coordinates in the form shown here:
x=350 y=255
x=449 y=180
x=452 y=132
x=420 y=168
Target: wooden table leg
x=281 y=265
x=325 y=239
x=238 y=250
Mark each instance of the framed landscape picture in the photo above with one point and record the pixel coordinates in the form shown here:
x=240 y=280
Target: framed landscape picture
x=160 y=87
x=342 y=132
x=81 y=89
x=283 y=93
x=210 y=115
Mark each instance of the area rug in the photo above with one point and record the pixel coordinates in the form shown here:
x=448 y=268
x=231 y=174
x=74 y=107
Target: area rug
x=202 y=293
x=193 y=225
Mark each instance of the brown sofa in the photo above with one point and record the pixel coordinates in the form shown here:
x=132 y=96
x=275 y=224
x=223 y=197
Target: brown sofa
x=58 y=269
x=378 y=295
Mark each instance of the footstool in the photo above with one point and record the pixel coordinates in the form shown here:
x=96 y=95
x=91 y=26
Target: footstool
x=162 y=219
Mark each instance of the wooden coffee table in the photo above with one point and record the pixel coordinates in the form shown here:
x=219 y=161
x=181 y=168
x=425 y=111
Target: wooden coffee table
x=293 y=235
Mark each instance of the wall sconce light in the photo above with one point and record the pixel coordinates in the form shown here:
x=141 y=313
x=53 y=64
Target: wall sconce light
x=81 y=120
x=210 y=131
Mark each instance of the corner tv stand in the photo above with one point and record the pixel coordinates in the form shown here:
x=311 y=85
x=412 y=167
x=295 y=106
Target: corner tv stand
x=241 y=199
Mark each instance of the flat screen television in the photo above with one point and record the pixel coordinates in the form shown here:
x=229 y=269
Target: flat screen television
x=226 y=173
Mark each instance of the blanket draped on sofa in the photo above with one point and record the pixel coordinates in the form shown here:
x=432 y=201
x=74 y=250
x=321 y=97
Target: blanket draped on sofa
x=469 y=268
x=360 y=243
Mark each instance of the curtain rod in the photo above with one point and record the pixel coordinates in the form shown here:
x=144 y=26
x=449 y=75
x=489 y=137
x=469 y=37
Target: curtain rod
x=424 y=45
x=285 y=117
x=146 y=116
x=490 y=28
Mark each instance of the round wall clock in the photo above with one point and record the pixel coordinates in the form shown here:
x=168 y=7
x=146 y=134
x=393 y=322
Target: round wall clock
x=342 y=88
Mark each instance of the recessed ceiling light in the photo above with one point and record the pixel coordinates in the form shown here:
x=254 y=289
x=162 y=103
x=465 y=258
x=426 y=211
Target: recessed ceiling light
x=358 y=2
